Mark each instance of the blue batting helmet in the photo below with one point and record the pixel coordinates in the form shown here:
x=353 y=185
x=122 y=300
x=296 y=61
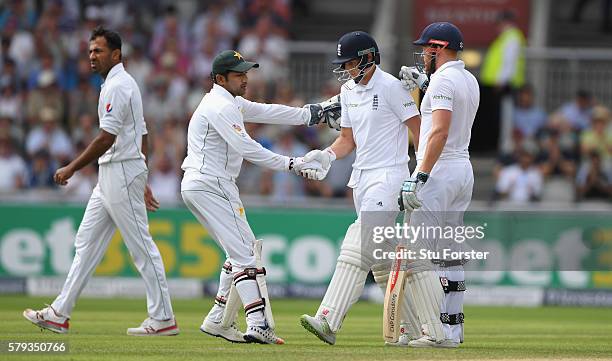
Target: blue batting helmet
x=444 y=34
x=354 y=45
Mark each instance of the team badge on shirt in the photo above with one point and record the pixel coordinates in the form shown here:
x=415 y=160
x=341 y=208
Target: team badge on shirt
x=109 y=107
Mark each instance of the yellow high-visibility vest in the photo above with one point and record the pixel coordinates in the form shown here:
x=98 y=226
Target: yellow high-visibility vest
x=492 y=64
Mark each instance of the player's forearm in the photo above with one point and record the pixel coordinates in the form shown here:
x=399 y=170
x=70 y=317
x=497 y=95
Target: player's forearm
x=414 y=124
x=342 y=147
x=94 y=150
x=435 y=145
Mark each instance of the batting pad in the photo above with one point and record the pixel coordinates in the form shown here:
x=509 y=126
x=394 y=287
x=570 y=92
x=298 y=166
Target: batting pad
x=427 y=295
x=343 y=291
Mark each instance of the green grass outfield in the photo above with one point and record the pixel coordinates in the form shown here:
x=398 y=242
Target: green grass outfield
x=98 y=333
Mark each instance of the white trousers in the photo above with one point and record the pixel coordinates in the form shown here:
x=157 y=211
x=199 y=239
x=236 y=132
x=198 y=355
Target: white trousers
x=445 y=197
x=117 y=202
x=216 y=204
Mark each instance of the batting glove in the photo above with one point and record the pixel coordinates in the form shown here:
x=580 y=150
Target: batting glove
x=412 y=78
x=408 y=199
x=323 y=157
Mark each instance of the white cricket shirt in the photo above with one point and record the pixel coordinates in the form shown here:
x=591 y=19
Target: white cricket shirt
x=217 y=141
x=120 y=113
x=452 y=88
x=376 y=112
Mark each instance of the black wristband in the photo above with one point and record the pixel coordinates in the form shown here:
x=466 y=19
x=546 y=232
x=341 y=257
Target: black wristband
x=291 y=161
x=422 y=177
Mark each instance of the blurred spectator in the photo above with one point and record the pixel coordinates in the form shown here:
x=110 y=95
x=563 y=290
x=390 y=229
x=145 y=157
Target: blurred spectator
x=278 y=11
x=139 y=67
x=521 y=182
x=160 y=106
x=9 y=76
x=164 y=180
x=16 y=15
x=267 y=49
x=169 y=141
x=174 y=73
x=218 y=25
x=201 y=66
x=528 y=118
x=286 y=184
x=40 y=170
x=12 y=167
x=45 y=65
x=594 y=179
x=169 y=29
x=557 y=158
x=9 y=129
x=83 y=99
x=21 y=49
x=49 y=137
x=10 y=103
x=47 y=95
x=86 y=130
x=598 y=137
x=577 y=114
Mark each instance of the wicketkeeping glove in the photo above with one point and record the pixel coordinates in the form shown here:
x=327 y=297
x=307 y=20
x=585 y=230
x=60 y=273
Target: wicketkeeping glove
x=412 y=78
x=408 y=199
x=328 y=112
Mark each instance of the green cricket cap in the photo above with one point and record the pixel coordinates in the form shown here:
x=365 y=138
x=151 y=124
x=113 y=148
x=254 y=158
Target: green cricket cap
x=231 y=60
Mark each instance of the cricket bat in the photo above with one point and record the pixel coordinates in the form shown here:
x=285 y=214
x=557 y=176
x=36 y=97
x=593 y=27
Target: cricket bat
x=393 y=299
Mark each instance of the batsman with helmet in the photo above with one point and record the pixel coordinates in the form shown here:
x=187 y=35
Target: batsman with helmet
x=377 y=112
x=440 y=189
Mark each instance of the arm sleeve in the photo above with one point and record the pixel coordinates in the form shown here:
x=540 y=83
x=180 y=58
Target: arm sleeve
x=401 y=102
x=115 y=102
x=442 y=94
x=229 y=125
x=345 y=121
x=273 y=113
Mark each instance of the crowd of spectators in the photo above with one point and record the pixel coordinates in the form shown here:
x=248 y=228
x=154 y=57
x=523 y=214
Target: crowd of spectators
x=48 y=101
x=564 y=156
x=48 y=95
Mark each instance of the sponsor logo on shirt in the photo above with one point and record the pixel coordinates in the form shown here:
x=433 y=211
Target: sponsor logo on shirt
x=442 y=97
x=375 y=102
x=238 y=130
x=352 y=105
x=409 y=104
x=109 y=107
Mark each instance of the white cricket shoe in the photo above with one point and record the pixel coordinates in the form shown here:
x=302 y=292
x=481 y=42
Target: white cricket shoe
x=427 y=341
x=402 y=341
x=151 y=327
x=265 y=335
x=231 y=334
x=318 y=327
x=47 y=319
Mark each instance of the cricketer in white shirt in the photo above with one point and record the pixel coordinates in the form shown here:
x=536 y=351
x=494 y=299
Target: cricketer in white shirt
x=376 y=116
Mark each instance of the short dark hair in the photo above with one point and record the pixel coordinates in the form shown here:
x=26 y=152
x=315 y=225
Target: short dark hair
x=112 y=37
x=213 y=76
